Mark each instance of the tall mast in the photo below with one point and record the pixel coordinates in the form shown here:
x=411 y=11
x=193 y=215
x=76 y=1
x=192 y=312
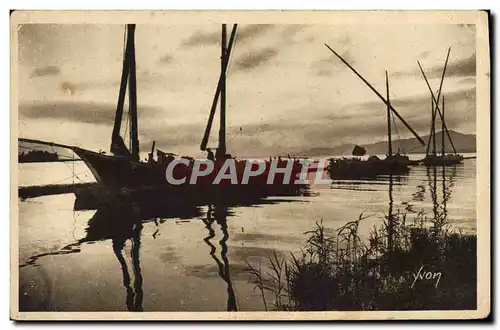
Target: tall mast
x=117 y=145
x=436 y=100
x=133 y=96
x=434 y=109
x=388 y=115
x=430 y=132
x=206 y=135
x=379 y=95
x=221 y=150
x=442 y=130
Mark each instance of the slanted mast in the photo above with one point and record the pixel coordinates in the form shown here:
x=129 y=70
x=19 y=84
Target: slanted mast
x=226 y=49
x=379 y=95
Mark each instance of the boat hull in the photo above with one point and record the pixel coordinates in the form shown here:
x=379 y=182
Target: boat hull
x=117 y=171
x=366 y=169
x=447 y=160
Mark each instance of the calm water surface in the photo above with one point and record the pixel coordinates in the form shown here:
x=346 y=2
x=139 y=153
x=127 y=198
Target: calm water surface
x=194 y=260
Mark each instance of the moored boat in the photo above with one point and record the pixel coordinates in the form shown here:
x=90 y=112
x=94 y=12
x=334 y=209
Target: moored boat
x=432 y=157
x=393 y=163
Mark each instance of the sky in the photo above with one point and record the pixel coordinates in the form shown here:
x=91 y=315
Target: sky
x=286 y=92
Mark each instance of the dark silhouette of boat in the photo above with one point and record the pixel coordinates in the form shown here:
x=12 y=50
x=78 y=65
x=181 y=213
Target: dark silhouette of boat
x=123 y=168
x=37 y=156
x=432 y=157
x=393 y=163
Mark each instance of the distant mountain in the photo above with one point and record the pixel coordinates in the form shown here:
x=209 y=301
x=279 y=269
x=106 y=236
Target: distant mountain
x=464 y=143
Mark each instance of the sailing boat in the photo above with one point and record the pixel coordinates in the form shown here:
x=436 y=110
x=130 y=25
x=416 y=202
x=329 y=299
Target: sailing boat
x=432 y=158
x=125 y=169
x=221 y=154
x=373 y=166
x=396 y=163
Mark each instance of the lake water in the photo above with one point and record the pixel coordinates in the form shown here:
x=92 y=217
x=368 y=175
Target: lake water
x=195 y=261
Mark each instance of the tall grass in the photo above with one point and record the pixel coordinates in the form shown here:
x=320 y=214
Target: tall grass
x=345 y=272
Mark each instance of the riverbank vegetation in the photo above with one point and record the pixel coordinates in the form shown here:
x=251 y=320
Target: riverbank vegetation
x=418 y=264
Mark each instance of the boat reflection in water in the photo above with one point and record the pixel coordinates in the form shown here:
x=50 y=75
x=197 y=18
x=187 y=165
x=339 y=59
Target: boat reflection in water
x=218 y=214
x=440 y=207
x=121 y=219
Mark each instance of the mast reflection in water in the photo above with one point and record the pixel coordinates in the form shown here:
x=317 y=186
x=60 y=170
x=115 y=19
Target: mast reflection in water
x=218 y=214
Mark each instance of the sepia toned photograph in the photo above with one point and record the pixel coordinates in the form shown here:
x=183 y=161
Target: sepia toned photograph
x=250 y=165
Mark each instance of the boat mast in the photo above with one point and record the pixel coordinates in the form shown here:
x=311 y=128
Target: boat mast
x=433 y=129
x=388 y=115
x=379 y=95
x=436 y=100
x=221 y=150
x=430 y=133
x=117 y=145
x=128 y=76
x=133 y=97
x=206 y=135
x=442 y=130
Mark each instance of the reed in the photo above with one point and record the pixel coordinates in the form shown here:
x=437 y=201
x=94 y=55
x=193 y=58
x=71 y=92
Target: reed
x=428 y=266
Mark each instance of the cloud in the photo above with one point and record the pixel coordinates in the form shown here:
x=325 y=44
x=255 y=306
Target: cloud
x=291 y=30
x=250 y=31
x=244 y=34
x=79 y=112
x=50 y=70
x=165 y=59
x=253 y=59
x=326 y=66
x=68 y=88
x=461 y=68
x=467 y=81
x=202 y=39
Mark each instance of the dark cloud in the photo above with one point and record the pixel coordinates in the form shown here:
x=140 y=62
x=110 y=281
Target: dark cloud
x=461 y=68
x=165 y=59
x=355 y=123
x=202 y=39
x=326 y=66
x=68 y=87
x=244 y=34
x=253 y=59
x=250 y=31
x=50 y=70
x=79 y=112
x=424 y=54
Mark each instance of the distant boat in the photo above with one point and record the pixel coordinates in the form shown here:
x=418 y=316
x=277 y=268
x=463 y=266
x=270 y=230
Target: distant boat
x=37 y=156
x=432 y=158
x=393 y=163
